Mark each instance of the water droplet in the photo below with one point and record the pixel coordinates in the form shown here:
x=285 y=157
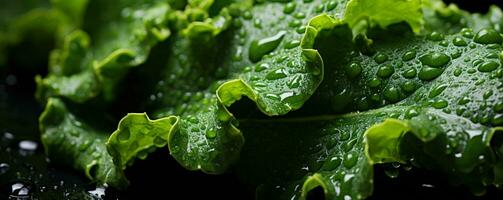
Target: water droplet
x=19 y=191
x=457 y=71
x=273 y=97
x=353 y=70
x=257 y=23
x=28 y=145
x=439 y=104
x=211 y=134
x=488 y=66
x=294 y=82
x=4 y=167
x=261 y=67
x=385 y=71
x=319 y=8
x=238 y=55
x=410 y=73
x=380 y=58
x=488 y=36
x=344 y=135
x=299 y=15
x=99 y=192
x=467 y=33
x=456 y=53
x=289 y=8
x=301 y=30
x=374 y=82
x=429 y=73
x=286 y=95
x=435 y=91
x=8 y=136
x=392 y=94
x=292 y=44
x=459 y=41
x=435 y=59
x=409 y=55
x=264 y=46
x=349 y=145
x=332 y=163
x=487 y=94
x=392 y=173
x=411 y=112
x=295 y=23
x=350 y=160
x=247 y=15
x=331 y=5
x=409 y=86
x=443 y=43
x=435 y=36
x=276 y=74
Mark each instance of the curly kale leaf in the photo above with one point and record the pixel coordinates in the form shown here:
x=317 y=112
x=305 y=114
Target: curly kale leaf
x=436 y=103
x=117 y=35
x=72 y=140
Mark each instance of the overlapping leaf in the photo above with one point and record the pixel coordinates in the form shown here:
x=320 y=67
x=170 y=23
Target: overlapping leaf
x=119 y=35
x=71 y=140
x=446 y=94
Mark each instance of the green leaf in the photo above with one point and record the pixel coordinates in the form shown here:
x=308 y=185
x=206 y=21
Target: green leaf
x=383 y=13
x=216 y=60
x=121 y=35
x=438 y=141
x=444 y=121
x=137 y=135
x=69 y=140
x=276 y=67
x=449 y=19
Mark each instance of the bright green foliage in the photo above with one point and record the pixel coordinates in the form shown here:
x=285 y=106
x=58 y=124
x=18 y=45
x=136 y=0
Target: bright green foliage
x=67 y=139
x=333 y=87
x=449 y=115
x=137 y=135
x=119 y=36
x=383 y=13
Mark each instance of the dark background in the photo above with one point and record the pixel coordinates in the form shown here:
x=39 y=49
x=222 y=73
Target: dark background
x=159 y=175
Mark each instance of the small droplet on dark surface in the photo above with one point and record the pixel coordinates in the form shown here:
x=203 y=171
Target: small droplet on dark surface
x=28 y=145
x=4 y=167
x=11 y=80
x=99 y=192
x=8 y=136
x=19 y=191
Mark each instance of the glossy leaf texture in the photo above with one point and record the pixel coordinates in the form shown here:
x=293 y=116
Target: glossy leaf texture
x=69 y=140
x=78 y=142
x=449 y=19
x=115 y=36
x=436 y=102
x=319 y=76
x=264 y=53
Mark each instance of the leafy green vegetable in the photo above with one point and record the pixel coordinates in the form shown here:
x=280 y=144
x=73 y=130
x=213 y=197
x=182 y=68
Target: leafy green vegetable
x=65 y=136
x=450 y=19
x=122 y=34
x=277 y=68
x=384 y=12
x=357 y=83
x=69 y=140
x=454 y=89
